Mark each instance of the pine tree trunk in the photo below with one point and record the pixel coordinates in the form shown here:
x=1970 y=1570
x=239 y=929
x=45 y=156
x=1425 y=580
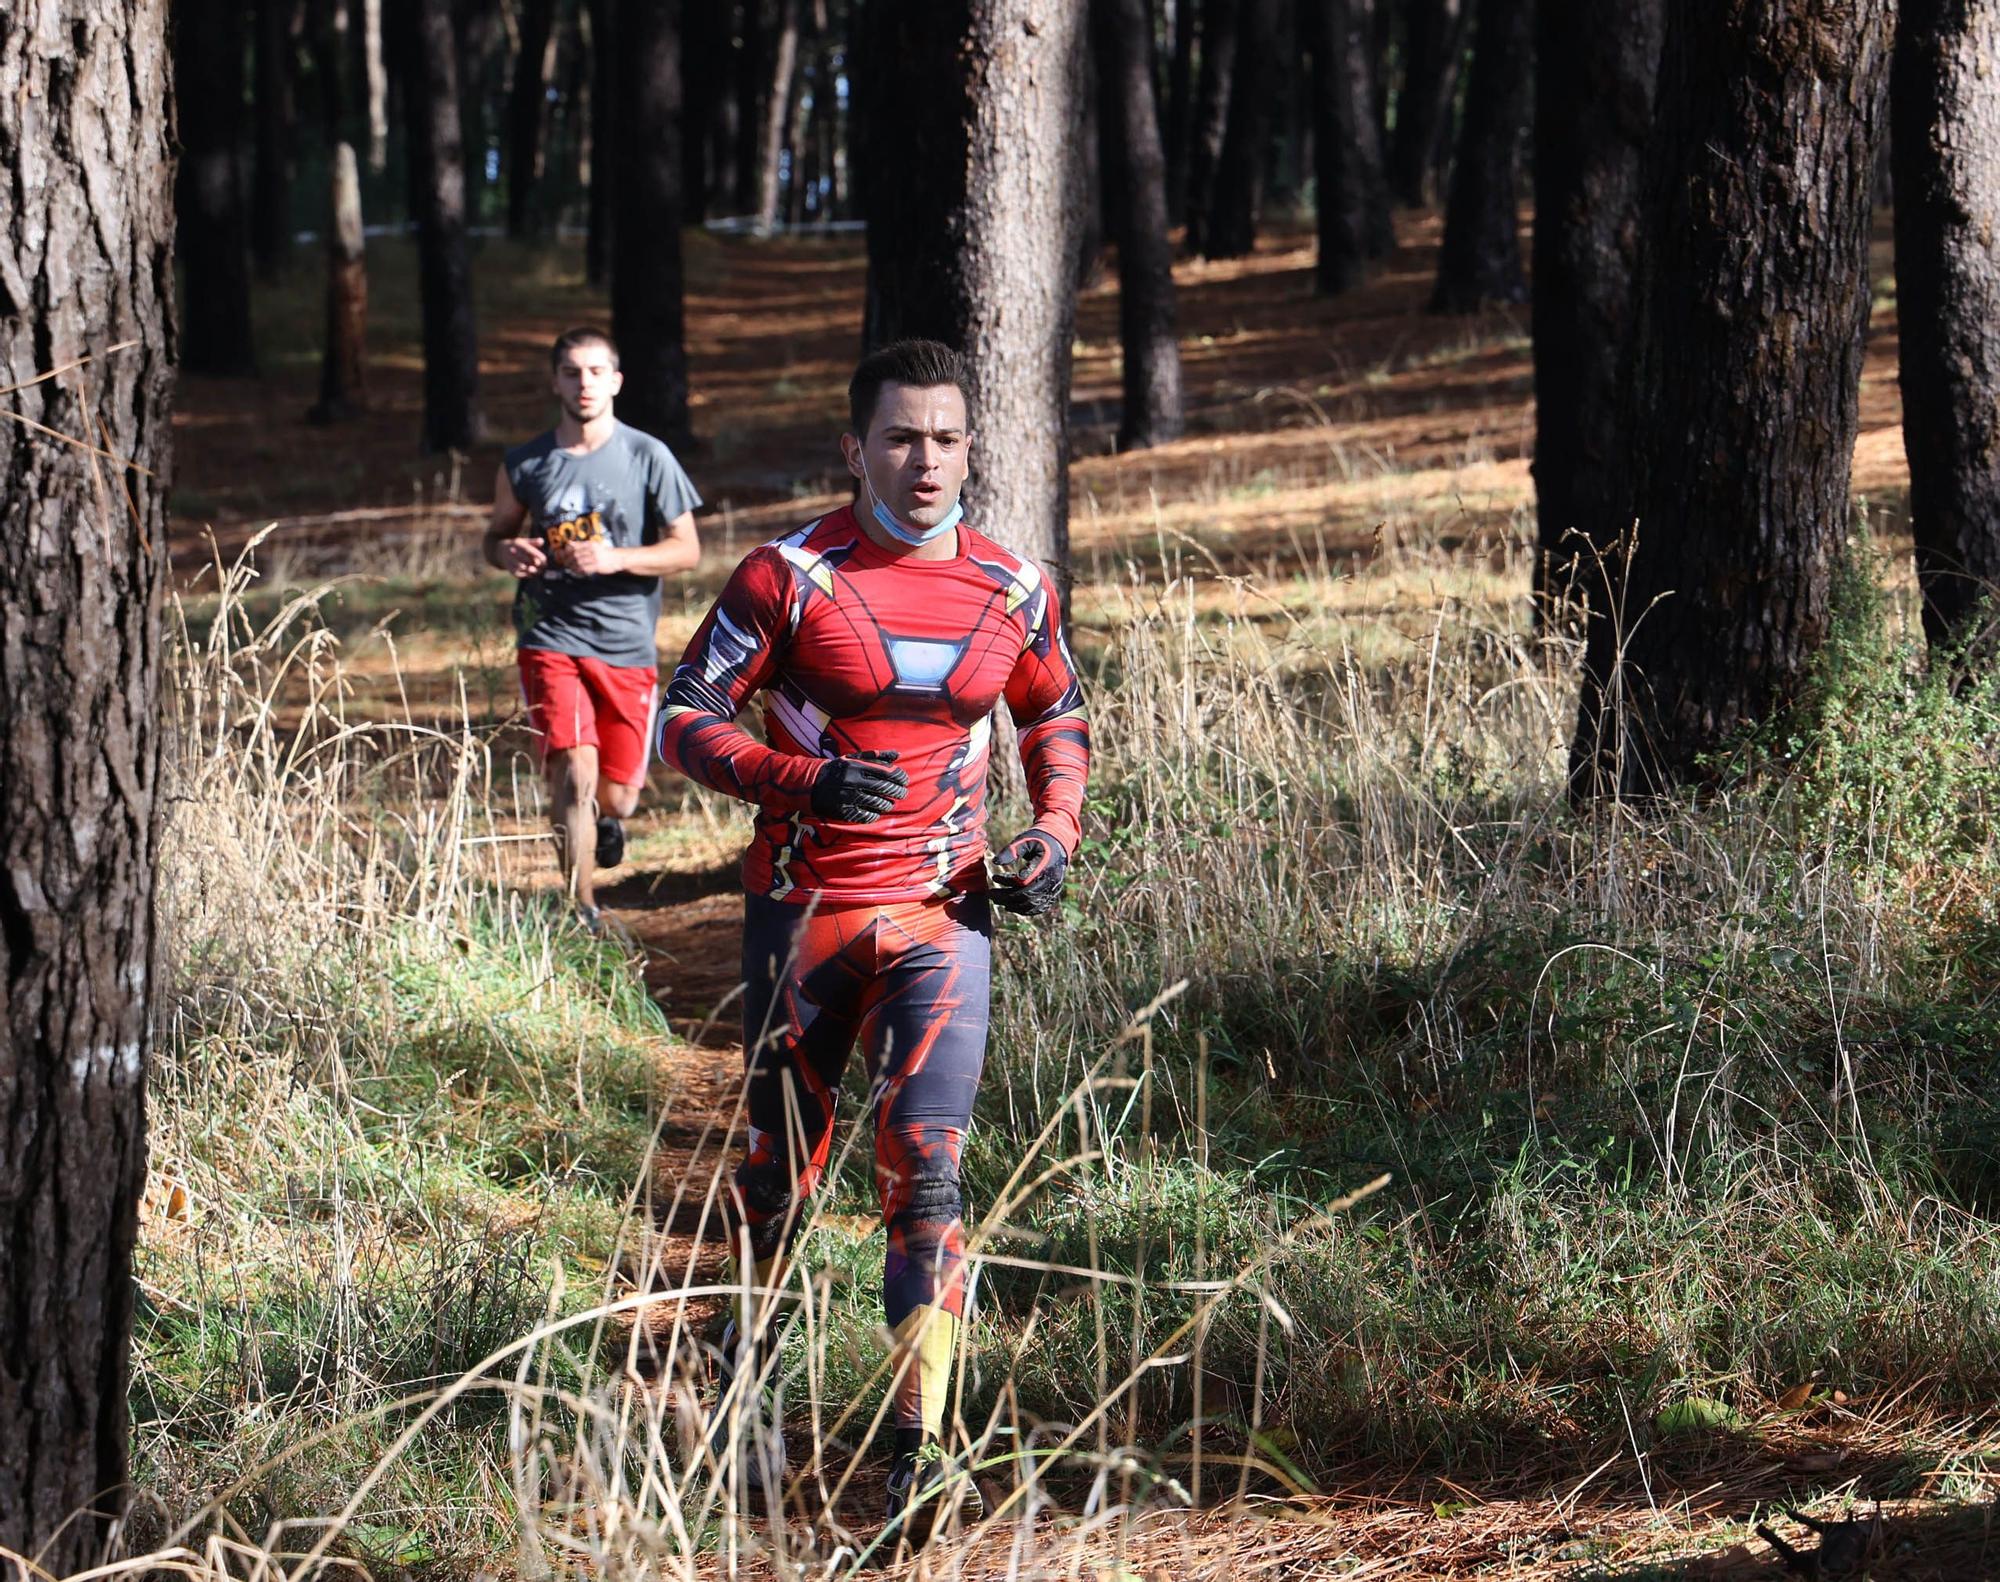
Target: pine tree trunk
x=437 y=199
x=86 y=262
x=1219 y=32
x=343 y=371
x=1746 y=368
x=1946 y=111
x=213 y=231
x=481 y=32
x=1230 y=230
x=972 y=228
x=777 y=100
x=752 y=77
x=375 y=78
x=527 y=113
x=1433 y=41
x=705 y=56
x=1180 y=110
x=1088 y=267
x=1136 y=182
x=602 y=210
x=1596 y=70
x=271 y=208
x=1353 y=192
x=329 y=58
x=646 y=282
x=1479 y=260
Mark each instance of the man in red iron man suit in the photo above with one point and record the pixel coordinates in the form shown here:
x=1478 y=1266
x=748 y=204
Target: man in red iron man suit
x=882 y=636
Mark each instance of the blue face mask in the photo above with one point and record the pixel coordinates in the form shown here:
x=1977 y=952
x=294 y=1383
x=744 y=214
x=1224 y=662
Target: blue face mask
x=909 y=532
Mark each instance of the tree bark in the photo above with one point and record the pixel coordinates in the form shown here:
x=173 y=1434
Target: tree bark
x=1353 y=192
x=213 y=230
x=343 y=373
x=1136 y=182
x=375 y=81
x=527 y=114
x=326 y=24
x=437 y=199
x=705 y=50
x=1433 y=42
x=480 y=28
x=1091 y=158
x=1219 y=31
x=1180 y=110
x=1946 y=113
x=602 y=211
x=1746 y=368
x=751 y=80
x=1230 y=229
x=972 y=228
x=86 y=271
x=646 y=279
x=271 y=207
x=1596 y=70
x=1479 y=260
x=777 y=99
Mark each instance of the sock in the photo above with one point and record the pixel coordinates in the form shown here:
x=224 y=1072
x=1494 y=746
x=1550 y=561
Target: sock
x=926 y=1344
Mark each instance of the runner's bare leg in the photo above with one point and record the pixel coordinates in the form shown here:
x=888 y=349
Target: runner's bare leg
x=573 y=794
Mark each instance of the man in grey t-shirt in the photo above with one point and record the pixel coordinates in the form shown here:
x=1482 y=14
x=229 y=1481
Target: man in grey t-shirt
x=588 y=517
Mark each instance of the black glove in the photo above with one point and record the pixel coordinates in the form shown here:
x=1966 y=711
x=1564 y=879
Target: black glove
x=855 y=791
x=1028 y=873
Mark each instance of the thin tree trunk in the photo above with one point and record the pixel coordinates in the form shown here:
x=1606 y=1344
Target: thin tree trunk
x=326 y=22
x=795 y=147
x=86 y=263
x=705 y=54
x=271 y=208
x=1136 y=181
x=1231 y=227
x=1946 y=113
x=527 y=113
x=1596 y=70
x=343 y=373
x=437 y=199
x=1219 y=32
x=481 y=33
x=777 y=99
x=1091 y=131
x=376 y=78
x=1479 y=261
x=1433 y=42
x=752 y=77
x=971 y=229
x=1180 y=110
x=603 y=146
x=1746 y=368
x=1353 y=193
x=646 y=280
x=213 y=230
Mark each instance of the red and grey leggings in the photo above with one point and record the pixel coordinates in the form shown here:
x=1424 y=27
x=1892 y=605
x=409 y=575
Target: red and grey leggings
x=910 y=982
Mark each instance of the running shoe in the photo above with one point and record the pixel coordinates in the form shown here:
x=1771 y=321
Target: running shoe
x=930 y=1491
x=746 y=1428
x=610 y=842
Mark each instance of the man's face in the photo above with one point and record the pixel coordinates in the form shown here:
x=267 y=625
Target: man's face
x=913 y=456
x=586 y=381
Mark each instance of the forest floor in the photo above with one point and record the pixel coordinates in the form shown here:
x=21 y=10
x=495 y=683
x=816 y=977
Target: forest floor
x=1323 y=436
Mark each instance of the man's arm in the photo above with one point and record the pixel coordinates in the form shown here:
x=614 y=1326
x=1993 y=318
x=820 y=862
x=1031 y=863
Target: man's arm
x=734 y=655
x=678 y=549
x=1046 y=700
x=503 y=546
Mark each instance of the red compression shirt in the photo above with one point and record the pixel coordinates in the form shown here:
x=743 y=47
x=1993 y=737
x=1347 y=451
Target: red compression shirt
x=857 y=649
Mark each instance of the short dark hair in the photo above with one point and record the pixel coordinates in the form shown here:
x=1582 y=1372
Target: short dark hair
x=582 y=335
x=923 y=364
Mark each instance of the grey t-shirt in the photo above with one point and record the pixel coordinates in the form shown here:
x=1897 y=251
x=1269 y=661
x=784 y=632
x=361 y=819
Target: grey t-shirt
x=624 y=493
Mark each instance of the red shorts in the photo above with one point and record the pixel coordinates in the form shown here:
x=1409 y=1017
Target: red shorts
x=579 y=702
